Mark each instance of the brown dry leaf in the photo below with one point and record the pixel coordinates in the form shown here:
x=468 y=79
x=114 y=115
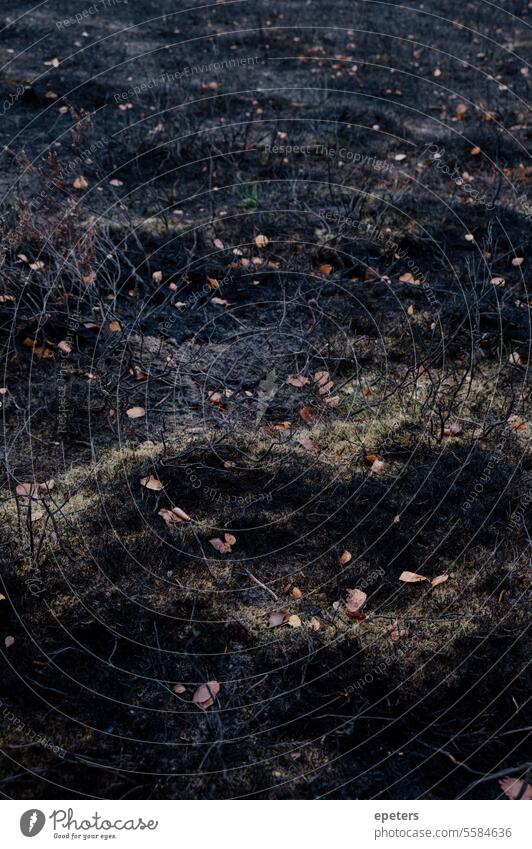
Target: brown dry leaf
x=151 y=482
x=296 y=592
x=498 y=281
x=205 y=694
x=324 y=390
x=516 y=423
x=294 y=621
x=213 y=283
x=461 y=110
x=397 y=633
x=115 y=327
x=410 y=310
x=173 y=516
x=52 y=63
x=411 y=577
x=261 y=241
x=157 y=277
x=315 y=623
x=515 y=358
x=220 y=546
x=306 y=442
x=38 y=265
x=40 y=351
x=345 y=557
x=298 y=381
x=409 y=278
x=35 y=490
x=215 y=397
x=517 y=260
x=378 y=466
x=138 y=373
x=306 y=413
x=65 y=346
x=218 y=244
x=326 y=269
x=116 y=182
x=220 y=301
x=439 y=579
x=515 y=788
x=322 y=378
x=474 y=151
x=230 y=539
x=279 y=618
x=80 y=182
x=9 y=641
x=453 y=429
x=135 y=412
x=356 y=600
x=179 y=688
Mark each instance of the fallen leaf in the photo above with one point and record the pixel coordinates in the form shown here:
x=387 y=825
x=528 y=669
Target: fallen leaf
x=179 y=688
x=306 y=413
x=296 y=592
x=453 y=429
x=220 y=301
x=65 y=346
x=378 y=466
x=440 y=579
x=135 y=412
x=116 y=182
x=80 y=182
x=138 y=373
x=38 y=265
x=356 y=600
x=399 y=157
x=498 y=281
x=298 y=381
x=411 y=577
x=315 y=623
x=9 y=641
x=345 y=557
x=205 y=694
x=306 y=442
x=115 y=327
x=35 y=490
x=218 y=244
x=53 y=63
x=40 y=351
x=326 y=269
x=409 y=278
x=474 y=151
x=173 y=516
x=214 y=397
x=261 y=241
x=151 y=482
x=230 y=539
x=321 y=377
x=461 y=110
x=220 y=546
x=516 y=423
x=517 y=260
x=279 y=618
x=294 y=621
x=157 y=277
x=397 y=633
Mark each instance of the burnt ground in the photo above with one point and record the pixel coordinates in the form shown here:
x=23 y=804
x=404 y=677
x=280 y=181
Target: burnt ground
x=357 y=381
